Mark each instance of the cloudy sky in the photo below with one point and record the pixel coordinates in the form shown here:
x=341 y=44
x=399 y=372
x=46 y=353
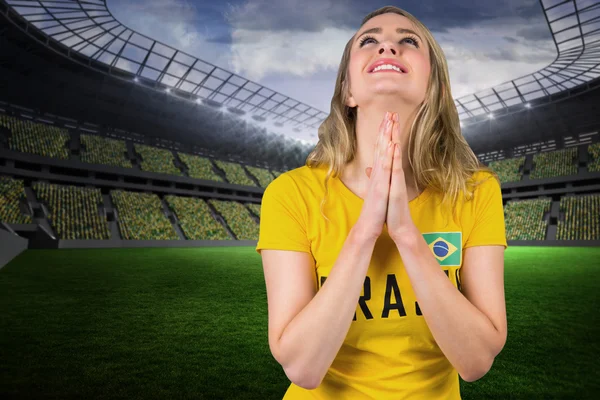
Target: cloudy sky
x=295 y=46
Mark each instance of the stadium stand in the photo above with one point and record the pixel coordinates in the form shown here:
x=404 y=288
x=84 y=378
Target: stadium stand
x=74 y=211
x=157 y=160
x=508 y=170
x=262 y=175
x=594 y=152
x=524 y=219
x=141 y=216
x=36 y=138
x=195 y=219
x=581 y=218
x=12 y=192
x=238 y=218
x=235 y=173
x=100 y=150
x=255 y=208
x=554 y=163
x=199 y=167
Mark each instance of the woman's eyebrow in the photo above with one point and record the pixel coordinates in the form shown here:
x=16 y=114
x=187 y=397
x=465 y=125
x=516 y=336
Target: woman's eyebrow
x=398 y=30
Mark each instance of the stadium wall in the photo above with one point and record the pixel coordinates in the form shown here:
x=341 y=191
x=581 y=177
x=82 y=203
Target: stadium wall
x=11 y=245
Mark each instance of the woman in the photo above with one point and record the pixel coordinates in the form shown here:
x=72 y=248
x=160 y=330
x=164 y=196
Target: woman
x=384 y=255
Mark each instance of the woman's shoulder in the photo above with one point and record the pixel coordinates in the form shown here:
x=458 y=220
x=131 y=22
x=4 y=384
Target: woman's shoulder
x=298 y=177
x=302 y=175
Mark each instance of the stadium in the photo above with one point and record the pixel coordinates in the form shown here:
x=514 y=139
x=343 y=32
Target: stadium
x=131 y=177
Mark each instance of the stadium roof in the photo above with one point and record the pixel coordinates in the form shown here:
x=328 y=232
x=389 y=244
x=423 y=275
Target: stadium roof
x=88 y=28
x=575 y=29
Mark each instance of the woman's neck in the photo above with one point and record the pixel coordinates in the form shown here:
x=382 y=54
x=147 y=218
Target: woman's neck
x=367 y=132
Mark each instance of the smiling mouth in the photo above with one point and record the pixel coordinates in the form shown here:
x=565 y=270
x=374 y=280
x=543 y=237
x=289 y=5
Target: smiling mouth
x=388 y=68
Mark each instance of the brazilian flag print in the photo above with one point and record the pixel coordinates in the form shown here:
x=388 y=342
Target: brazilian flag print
x=446 y=247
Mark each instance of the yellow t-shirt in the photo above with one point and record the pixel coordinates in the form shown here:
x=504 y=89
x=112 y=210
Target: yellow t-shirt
x=389 y=351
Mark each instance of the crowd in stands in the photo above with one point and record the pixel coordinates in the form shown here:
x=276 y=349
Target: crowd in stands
x=35 y=138
x=74 y=211
x=524 y=219
x=594 y=163
x=508 y=170
x=199 y=167
x=581 y=218
x=100 y=150
x=238 y=218
x=263 y=176
x=554 y=163
x=155 y=159
x=11 y=193
x=195 y=219
x=141 y=216
x=255 y=208
x=235 y=173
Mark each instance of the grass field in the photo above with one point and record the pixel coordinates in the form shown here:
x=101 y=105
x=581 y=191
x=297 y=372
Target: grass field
x=192 y=324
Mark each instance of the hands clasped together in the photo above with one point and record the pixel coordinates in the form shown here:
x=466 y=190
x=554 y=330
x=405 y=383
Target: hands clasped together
x=386 y=201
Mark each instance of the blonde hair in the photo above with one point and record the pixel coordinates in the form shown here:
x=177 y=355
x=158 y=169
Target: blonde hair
x=438 y=154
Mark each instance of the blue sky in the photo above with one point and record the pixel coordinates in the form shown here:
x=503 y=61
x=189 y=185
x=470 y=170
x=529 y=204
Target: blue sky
x=295 y=46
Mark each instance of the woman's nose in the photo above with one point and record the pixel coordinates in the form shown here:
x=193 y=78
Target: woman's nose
x=387 y=47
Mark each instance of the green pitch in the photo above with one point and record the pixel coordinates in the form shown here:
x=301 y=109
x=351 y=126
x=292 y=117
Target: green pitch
x=192 y=324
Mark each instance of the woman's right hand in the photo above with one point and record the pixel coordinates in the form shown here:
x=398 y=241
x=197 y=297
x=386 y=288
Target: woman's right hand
x=374 y=210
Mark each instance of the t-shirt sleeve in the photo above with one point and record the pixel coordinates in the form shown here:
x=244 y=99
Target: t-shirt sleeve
x=283 y=217
x=488 y=215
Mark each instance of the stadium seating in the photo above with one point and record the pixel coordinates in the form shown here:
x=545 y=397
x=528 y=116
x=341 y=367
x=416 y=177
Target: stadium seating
x=35 y=138
x=195 y=219
x=11 y=192
x=141 y=216
x=263 y=176
x=554 y=163
x=524 y=219
x=581 y=218
x=199 y=167
x=157 y=160
x=594 y=151
x=238 y=218
x=100 y=150
x=255 y=208
x=74 y=212
x=235 y=173
x=508 y=170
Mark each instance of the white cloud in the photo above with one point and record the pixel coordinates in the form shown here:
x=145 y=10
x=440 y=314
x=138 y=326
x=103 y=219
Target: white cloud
x=257 y=54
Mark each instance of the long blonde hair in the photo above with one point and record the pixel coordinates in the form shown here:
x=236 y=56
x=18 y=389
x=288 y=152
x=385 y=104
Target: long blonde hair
x=439 y=155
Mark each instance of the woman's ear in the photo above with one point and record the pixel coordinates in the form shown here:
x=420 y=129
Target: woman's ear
x=350 y=101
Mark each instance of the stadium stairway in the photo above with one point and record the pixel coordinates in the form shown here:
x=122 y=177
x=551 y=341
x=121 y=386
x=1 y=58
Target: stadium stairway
x=111 y=217
x=173 y=219
x=217 y=216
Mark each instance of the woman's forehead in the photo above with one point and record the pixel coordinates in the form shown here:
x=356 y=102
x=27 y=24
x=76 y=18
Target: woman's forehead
x=388 y=21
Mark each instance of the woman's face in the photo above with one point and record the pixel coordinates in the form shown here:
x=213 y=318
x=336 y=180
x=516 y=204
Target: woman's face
x=391 y=39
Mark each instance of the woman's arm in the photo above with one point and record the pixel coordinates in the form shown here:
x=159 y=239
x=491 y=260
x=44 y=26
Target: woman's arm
x=470 y=329
x=310 y=342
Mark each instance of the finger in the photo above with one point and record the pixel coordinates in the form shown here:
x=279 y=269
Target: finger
x=396 y=131
x=389 y=132
x=397 y=185
x=378 y=143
